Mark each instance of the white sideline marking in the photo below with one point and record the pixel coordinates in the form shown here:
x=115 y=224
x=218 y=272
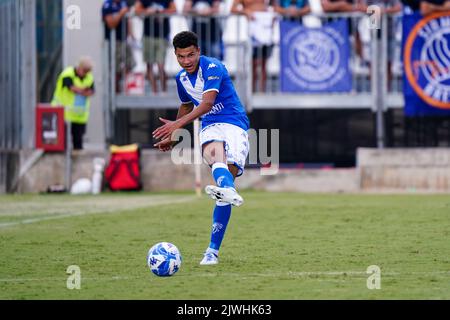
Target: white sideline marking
x=157 y=202
x=241 y=275
x=294 y=274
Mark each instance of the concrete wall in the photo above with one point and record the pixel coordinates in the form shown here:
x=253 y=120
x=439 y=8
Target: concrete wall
x=297 y=180
x=158 y=172
x=388 y=170
x=420 y=169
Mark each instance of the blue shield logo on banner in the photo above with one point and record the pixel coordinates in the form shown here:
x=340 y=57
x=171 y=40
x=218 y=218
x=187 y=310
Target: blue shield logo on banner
x=426 y=58
x=315 y=59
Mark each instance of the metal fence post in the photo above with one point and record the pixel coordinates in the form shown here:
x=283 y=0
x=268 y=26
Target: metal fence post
x=27 y=83
x=68 y=178
x=112 y=82
x=377 y=69
x=17 y=85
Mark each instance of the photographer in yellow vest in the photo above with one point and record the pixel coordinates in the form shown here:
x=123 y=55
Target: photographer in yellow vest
x=74 y=88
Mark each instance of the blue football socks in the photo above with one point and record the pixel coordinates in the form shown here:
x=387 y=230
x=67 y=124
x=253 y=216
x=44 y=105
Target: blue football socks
x=222 y=211
x=221 y=216
x=222 y=175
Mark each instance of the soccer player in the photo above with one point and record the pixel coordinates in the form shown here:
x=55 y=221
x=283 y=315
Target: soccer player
x=206 y=92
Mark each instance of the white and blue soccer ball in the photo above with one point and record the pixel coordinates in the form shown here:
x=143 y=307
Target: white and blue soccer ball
x=164 y=259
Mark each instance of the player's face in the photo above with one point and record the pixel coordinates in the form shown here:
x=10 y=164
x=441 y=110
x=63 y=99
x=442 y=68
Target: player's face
x=188 y=58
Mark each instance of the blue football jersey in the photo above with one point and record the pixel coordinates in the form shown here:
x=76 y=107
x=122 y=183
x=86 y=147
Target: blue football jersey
x=212 y=75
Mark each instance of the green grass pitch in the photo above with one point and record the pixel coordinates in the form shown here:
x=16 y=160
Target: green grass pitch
x=277 y=246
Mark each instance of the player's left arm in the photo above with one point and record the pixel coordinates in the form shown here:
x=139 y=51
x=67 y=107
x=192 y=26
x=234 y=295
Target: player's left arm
x=169 y=127
x=203 y=108
x=213 y=79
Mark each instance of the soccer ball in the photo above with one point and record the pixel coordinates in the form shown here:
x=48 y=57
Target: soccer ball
x=164 y=259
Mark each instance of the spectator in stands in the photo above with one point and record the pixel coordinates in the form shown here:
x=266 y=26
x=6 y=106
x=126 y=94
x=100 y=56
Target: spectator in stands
x=348 y=6
x=341 y=6
x=113 y=14
x=292 y=9
x=156 y=36
x=387 y=7
x=205 y=26
x=425 y=7
x=433 y=6
x=73 y=90
x=261 y=22
x=410 y=6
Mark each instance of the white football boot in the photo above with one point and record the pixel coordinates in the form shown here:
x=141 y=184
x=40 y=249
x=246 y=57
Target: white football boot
x=228 y=195
x=209 y=258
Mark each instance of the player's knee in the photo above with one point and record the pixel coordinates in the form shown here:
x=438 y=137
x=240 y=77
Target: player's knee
x=212 y=160
x=233 y=169
x=214 y=153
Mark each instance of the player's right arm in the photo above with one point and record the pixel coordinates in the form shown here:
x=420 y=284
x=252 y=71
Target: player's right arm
x=184 y=109
x=186 y=105
x=167 y=144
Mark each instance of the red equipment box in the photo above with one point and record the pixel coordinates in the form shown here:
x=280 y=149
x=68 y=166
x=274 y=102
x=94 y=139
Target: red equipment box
x=50 y=133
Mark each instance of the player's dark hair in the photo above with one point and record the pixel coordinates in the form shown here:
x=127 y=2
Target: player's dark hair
x=185 y=39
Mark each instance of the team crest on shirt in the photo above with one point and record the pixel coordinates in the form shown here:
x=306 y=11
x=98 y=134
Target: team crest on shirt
x=183 y=76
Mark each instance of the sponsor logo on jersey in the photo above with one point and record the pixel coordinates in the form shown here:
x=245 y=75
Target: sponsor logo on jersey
x=212 y=65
